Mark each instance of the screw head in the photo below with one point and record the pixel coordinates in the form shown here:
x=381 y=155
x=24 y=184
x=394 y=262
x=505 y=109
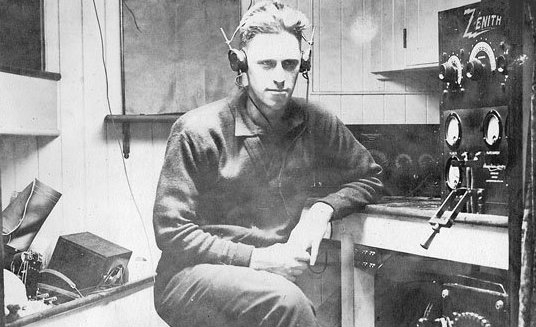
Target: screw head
x=445 y=293
x=499 y=305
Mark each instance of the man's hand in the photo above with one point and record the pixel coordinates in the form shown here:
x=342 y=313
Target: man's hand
x=311 y=228
x=280 y=259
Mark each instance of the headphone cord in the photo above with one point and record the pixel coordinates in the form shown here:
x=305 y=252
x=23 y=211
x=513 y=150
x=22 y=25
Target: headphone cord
x=305 y=75
x=109 y=107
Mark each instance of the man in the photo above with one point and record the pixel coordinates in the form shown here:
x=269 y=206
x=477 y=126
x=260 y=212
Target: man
x=236 y=176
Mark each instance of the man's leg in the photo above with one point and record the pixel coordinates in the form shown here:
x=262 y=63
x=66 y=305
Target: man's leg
x=218 y=295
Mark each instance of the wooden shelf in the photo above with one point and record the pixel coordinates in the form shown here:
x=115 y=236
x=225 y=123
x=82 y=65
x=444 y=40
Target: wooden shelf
x=31 y=73
x=103 y=296
x=28 y=102
x=428 y=70
x=151 y=118
x=126 y=120
x=31 y=132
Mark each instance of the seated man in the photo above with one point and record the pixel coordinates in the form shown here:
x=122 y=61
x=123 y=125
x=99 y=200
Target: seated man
x=236 y=176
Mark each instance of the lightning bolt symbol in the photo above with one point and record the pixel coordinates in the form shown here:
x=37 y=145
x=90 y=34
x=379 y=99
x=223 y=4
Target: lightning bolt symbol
x=471 y=35
x=468 y=34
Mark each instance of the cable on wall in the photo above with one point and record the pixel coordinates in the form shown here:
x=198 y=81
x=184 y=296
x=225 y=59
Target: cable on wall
x=116 y=130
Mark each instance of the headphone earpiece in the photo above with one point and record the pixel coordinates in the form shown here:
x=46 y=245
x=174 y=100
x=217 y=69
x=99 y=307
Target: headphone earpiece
x=238 y=60
x=305 y=65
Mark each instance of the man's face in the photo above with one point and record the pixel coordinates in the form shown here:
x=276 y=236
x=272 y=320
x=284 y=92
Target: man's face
x=273 y=66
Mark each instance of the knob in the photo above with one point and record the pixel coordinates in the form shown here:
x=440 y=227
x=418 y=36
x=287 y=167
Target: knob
x=474 y=69
x=501 y=65
x=448 y=73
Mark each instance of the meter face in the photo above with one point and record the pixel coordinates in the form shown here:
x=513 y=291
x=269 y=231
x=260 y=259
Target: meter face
x=453 y=131
x=453 y=176
x=492 y=129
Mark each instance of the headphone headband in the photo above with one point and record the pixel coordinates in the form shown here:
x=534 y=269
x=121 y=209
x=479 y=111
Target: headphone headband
x=238 y=59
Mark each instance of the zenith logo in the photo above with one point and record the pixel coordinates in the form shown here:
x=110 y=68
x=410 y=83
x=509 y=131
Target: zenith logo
x=480 y=25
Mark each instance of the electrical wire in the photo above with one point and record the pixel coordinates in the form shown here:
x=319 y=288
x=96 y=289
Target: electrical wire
x=109 y=107
x=321 y=271
x=10 y=233
x=124 y=2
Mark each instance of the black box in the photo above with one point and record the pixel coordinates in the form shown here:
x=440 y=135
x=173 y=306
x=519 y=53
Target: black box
x=87 y=259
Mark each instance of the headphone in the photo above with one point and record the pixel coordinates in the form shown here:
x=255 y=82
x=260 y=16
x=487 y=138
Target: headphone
x=239 y=61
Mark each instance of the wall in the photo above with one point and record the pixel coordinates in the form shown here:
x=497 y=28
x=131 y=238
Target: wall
x=84 y=162
x=364 y=73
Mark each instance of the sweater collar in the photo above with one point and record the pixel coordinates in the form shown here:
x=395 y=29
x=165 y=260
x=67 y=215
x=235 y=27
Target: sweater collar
x=294 y=115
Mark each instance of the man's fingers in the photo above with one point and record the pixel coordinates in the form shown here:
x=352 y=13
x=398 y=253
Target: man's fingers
x=302 y=264
x=303 y=257
x=314 y=252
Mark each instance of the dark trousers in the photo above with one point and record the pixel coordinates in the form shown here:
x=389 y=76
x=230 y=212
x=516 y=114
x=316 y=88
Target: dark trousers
x=229 y=296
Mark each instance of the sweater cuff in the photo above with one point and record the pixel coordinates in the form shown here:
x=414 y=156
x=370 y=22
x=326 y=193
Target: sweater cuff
x=337 y=202
x=241 y=254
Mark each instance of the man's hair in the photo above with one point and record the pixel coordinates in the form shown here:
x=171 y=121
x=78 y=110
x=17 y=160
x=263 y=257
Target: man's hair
x=271 y=17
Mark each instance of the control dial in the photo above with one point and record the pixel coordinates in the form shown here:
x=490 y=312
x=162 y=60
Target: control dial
x=493 y=129
x=453 y=174
x=481 y=61
x=453 y=131
x=451 y=71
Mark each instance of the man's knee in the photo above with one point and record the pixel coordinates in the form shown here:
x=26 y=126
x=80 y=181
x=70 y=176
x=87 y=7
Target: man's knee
x=290 y=297
x=286 y=305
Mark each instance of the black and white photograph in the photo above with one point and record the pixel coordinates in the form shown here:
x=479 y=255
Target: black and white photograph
x=271 y=163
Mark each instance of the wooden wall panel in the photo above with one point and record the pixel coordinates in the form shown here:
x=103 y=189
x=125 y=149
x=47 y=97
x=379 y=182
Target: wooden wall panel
x=394 y=109
x=427 y=31
x=373 y=109
x=412 y=25
x=376 y=18
x=328 y=46
x=351 y=46
x=94 y=97
x=399 y=23
x=72 y=109
x=377 y=26
x=371 y=61
x=387 y=38
x=416 y=109
x=352 y=109
x=331 y=103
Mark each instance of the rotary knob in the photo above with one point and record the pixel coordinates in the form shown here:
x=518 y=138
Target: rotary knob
x=501 y=65
x=448 y=72
x=470 y=319
x=475 y=69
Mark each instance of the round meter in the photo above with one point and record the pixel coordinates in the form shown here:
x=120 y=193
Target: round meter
x=453 y=130
x=493 y=129
x=453 y=174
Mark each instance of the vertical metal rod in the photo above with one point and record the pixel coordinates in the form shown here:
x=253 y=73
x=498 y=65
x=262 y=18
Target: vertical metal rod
x=347 y=278
x=2 y=316
x=468 y=184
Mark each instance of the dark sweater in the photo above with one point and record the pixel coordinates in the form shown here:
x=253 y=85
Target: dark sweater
x=228 y=185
